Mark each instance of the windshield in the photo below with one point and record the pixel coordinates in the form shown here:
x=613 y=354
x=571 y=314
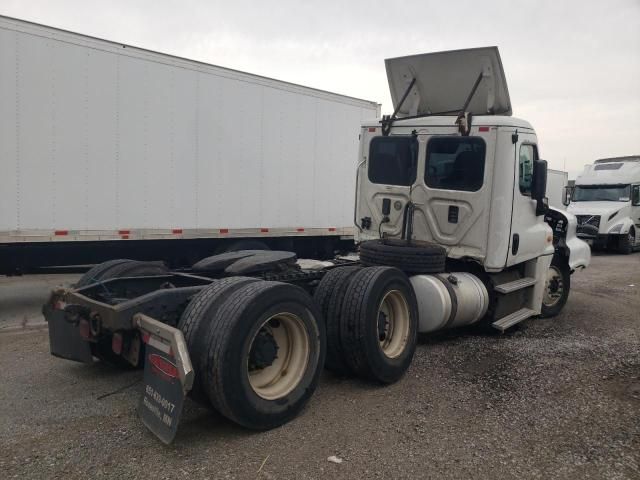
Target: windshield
x=594 y=193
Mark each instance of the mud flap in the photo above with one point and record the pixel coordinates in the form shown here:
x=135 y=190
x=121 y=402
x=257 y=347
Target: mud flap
x=168 y=377
x=65 y=340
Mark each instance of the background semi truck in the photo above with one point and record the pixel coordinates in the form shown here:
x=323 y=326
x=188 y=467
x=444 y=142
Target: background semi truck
x=110 y=151
x=606 y=203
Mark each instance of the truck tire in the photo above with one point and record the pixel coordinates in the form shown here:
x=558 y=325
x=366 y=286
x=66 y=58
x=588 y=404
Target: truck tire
x=419 y=257
x=95 y=274
x=626 y=242
x=379 y=324
x=266 y=347
x=195 y=319
x=329 y=296
x=557 y=286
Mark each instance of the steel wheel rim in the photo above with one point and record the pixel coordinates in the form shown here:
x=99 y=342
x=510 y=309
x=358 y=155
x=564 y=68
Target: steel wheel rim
x=287 y=370
x=554 y=287
x=393 y=329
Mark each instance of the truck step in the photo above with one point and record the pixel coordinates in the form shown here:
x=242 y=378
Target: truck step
x=513 y=318
x=516 y=285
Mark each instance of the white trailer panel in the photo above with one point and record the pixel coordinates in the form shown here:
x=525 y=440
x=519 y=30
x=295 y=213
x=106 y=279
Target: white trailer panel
x=557 y=180
x=99 y=138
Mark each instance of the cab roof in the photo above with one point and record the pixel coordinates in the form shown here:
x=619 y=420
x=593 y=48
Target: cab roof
x=449 y=121
x=611 y=171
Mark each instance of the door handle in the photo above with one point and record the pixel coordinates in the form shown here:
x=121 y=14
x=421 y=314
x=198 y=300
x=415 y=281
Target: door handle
x=515 y=244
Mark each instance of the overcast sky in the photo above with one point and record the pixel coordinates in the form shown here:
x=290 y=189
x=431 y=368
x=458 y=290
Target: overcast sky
x=572 y=67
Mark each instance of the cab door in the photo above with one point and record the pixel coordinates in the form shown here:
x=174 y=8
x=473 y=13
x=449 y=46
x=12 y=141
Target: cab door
x=452 y=194
x=530 y=235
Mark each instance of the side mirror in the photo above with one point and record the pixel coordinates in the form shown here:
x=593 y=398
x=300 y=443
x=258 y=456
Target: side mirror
x=566 y=198
x=539 y=186
x=635 y=195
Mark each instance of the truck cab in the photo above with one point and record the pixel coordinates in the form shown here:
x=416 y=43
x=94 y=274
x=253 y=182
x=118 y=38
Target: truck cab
x=452 y=166
x=606 y=203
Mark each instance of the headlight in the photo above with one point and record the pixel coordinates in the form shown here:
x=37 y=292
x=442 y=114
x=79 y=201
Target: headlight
x=616 y=228
x=613 y=215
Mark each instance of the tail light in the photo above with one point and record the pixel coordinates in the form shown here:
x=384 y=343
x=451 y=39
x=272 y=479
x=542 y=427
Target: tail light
x=85 y=330
x=116 y=343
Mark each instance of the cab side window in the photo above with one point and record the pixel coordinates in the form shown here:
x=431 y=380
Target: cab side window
x=528 y=153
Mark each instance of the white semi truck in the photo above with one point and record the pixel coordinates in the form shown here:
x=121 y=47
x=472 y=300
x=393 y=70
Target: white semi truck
x=453 y=229
x=606 y=202
x=111 y=151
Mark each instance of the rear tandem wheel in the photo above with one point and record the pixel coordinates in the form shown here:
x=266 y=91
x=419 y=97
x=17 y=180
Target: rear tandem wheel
x=265 y=348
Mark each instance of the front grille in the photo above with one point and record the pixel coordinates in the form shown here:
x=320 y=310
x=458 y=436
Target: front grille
x=588 y=224
x=593 y=220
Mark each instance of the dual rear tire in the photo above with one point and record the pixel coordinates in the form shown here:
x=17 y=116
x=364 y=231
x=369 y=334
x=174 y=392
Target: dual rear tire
x=371 y=319
x=258 y=348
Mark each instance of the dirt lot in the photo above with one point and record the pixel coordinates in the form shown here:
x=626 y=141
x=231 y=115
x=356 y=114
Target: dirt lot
x=553 y=398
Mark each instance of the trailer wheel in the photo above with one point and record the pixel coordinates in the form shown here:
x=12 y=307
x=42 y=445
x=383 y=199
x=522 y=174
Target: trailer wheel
x=556 y=289
x=626 y=242
x=266 y=348
x=379 y=323
x=329 y=296
x=195 y=319
x=96 y=273
x=418 y=257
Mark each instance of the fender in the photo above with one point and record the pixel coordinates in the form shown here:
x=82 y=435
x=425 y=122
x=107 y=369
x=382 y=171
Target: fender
x=621 y=227
x=565 y=241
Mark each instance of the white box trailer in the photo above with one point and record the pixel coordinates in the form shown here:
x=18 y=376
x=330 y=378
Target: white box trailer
x=105 y=148
x=557 y=182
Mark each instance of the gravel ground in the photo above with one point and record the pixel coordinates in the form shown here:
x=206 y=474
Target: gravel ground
x=21 y=299
x=555 y=398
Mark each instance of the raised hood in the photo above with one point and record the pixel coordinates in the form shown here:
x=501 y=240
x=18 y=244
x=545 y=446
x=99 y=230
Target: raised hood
x=444 y=80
